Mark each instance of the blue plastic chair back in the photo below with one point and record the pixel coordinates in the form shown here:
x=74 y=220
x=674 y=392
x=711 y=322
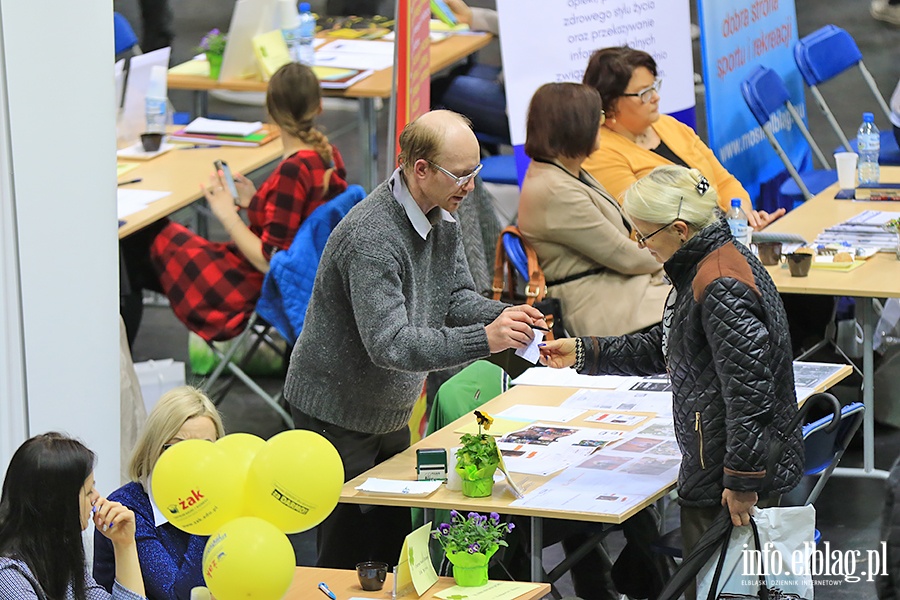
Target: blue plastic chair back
x=500 y=169
x=125 y=38
x=826 y=53
x=765 y=93
x=516 y=253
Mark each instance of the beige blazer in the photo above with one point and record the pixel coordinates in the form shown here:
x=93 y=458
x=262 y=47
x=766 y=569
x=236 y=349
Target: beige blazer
x=575 y=227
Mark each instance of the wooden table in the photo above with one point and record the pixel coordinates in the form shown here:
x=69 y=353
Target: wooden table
x=344 y=584
x=378 y=85
x=878 y=278
x=181 y=171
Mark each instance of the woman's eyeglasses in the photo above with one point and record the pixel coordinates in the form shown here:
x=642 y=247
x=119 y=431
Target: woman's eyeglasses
x=459 y=180
x=646 y=94
x=642 y=239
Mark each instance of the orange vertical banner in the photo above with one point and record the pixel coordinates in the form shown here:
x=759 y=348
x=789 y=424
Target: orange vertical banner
x=412 y=60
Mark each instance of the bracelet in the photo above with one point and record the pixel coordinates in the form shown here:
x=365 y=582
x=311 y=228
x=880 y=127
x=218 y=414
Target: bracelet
x=579 y=355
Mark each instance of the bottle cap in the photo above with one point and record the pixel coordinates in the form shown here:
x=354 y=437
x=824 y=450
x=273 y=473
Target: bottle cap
x=868 y=117
x=304 y=7
x=156 y=87
x=288 y=12
x=735 y=202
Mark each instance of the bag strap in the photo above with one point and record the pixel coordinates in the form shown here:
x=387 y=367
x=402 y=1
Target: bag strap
x=763 y=593
x=536 y=288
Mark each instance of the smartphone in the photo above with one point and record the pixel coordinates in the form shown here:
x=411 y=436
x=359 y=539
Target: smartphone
x=222 y=166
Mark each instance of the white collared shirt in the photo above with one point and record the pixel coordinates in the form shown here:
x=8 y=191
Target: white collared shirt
x=158 y=517
x=421 y=222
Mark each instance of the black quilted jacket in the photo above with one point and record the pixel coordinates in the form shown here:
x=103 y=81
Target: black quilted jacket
x=728 y=355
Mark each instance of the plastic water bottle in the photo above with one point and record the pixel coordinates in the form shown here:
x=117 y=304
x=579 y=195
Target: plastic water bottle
x=307 y=36
x=290 y=28
x=868 y=141
x=156 y=101
x=737 y=221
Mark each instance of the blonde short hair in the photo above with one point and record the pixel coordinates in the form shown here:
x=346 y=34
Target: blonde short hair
x=168 y=416
x=656 y=198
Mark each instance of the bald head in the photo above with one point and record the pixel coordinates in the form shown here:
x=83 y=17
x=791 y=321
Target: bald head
x=435 y=136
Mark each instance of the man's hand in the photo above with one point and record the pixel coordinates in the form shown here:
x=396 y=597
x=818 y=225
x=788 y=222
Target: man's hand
x=512 y=329
x=462 y=12
x=739 y=505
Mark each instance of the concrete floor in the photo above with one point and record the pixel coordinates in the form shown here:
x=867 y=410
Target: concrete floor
x=849 y=510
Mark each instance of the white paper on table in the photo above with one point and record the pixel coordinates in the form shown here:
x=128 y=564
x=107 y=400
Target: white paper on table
x=131 y=201
x=527 y=412
x=351 y=60
x=803 y=393
x=531 y=352
x=658 y=402
x=620 y=419
x=658 y=383
x=401 y=487
x=369 y=47
x=219 y=127
x=586 y=490
x=545 y=448
x=568 y=378
x=813 y=374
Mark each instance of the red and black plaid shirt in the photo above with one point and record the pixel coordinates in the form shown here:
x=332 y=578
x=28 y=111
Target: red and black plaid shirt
x=211 y=286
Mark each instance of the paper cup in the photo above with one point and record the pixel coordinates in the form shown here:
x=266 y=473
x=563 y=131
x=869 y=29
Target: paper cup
x=846 y=169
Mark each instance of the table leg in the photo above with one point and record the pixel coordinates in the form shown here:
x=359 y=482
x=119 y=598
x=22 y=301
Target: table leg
x=537 y=549
x=867 y=314
x=368 y=142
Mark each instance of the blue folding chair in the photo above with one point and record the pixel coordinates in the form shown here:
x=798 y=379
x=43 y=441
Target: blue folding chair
x=825 y=54
x=765 y=94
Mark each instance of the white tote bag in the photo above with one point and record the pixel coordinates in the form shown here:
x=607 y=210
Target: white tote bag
x=779 y=559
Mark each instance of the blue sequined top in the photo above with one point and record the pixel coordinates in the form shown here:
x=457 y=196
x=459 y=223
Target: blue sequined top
x=171 y=559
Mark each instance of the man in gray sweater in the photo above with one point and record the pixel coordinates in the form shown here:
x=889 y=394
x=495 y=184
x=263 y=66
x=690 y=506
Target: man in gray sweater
x=393 y=299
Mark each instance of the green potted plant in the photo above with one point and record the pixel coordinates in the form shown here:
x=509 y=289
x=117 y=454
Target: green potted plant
x=477 y=459
x=469 y=542
x=213 y=46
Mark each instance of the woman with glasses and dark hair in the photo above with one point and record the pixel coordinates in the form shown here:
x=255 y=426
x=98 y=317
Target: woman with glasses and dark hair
x=48 y=500
x=577 y=228
x=637 y=138
x=171 y=559
x=725 y=345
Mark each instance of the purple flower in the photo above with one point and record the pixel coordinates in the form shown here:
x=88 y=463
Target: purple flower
x=473 y=516
x=510 y=527
x=495 y=518
x=453 y=514
x=473 y=548
x=444 y=528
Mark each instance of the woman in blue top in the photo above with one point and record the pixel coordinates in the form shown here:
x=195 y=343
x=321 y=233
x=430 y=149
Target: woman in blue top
x=171 y=559
x=48 y=500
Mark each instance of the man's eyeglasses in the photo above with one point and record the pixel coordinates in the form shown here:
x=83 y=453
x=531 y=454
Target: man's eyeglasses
x=642 y=239
x=459 y=180
x=646 y=94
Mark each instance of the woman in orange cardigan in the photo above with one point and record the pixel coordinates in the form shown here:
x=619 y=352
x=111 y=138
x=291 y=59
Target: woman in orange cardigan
x=637 y=138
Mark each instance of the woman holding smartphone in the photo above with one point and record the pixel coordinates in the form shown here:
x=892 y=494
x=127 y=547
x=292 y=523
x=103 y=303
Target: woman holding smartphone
x=213 y=286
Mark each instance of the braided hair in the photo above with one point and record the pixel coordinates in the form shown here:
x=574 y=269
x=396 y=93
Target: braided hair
x=293 y=100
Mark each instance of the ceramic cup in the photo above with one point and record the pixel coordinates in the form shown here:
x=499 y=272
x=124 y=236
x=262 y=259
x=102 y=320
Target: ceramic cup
x=151 y=141
x=371 y=575
x=769 y=253
x=846 y=169
x=799 y=264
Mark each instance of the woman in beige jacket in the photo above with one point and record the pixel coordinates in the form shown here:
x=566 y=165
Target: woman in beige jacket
x=606 y=284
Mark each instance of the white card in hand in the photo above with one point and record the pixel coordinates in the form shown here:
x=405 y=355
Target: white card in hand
x=531 y=352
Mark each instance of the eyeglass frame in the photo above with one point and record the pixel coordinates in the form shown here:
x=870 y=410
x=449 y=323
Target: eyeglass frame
x=657 y=85
x=459 y=180
x=642 y=239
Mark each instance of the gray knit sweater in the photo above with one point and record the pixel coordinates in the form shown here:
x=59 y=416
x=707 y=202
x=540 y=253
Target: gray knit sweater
x=387 y=307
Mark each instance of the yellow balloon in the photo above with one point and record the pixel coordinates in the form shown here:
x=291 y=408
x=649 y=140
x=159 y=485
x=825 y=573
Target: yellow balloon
x=295 y=481
x=248 y=559
x=240 y=450
x=193 y=485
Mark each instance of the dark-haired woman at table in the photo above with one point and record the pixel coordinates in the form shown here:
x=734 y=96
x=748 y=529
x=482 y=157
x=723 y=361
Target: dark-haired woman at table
x=48 y=499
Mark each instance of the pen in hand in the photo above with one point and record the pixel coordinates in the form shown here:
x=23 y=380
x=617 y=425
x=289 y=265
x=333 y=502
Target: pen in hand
x=137 y=180
x=539 y=328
